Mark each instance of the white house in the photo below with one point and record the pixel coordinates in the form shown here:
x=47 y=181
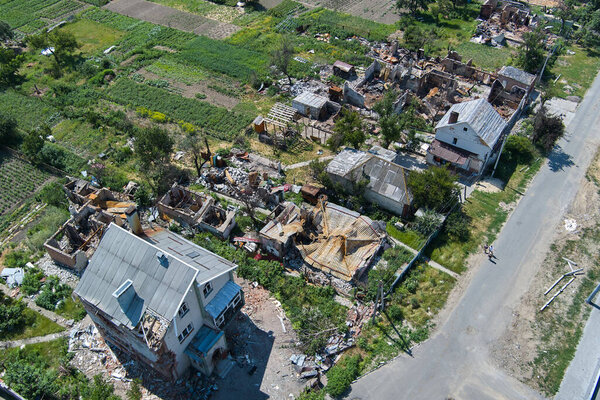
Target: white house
x=161 y=298
x=467 y=136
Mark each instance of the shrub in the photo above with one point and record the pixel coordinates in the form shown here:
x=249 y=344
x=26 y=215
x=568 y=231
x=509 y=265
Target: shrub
x=17 y=259
x=159 y=117
x=457 y=226
x=200 y=96
x=342 y=374
x=427 y=223
x=53 y=195
x=32 y=281
x=11 y=314
x=518 y=149
x=52 y=292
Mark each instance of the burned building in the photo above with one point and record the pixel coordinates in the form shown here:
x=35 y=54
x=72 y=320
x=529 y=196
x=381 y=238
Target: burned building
x=339 y=241
x=161 y=299
x=330 y=238
x=197 y=210
x=76 y=240
x=386 y=180
x=467 y=137
x=514 y=78
x=284 y=222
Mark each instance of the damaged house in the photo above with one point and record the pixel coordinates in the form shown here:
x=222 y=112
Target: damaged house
x=330 y=238
x=161 y=299
x=467 y=137
x=197 y=210
x=386 y=185
x=76 y=240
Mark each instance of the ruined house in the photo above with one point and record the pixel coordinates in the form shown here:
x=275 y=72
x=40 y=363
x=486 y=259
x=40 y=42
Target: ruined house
x=385 y=180
x=514 y=78
x=339 y=241
x=284 y=222
x=467 y=136
x=197 y=210
x=78 y=190
x=161 y=299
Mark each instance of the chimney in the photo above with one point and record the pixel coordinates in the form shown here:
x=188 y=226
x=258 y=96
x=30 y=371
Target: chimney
x=133 y=219
x=125 y=294
x=453 y=117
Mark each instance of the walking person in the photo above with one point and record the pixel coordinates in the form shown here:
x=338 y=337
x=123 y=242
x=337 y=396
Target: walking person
x=486 y=248
x=491 y=252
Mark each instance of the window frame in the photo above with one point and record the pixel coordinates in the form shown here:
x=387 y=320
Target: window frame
x=185 y=333
x=206 y=292
x=187 y=309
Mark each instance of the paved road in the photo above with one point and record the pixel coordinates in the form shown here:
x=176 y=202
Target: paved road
x=455 y=362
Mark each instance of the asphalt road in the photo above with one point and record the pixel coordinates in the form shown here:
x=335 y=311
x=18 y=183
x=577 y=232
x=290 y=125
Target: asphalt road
x=455 y=363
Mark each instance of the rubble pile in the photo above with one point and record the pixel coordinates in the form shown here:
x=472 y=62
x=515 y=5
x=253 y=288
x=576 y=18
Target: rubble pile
x=50 y=267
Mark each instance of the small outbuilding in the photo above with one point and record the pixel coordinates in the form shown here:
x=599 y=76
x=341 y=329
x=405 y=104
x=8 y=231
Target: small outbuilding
x=311 y=105
x=343 y=70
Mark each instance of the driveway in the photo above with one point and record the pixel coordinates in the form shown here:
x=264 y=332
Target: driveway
x=455 y=362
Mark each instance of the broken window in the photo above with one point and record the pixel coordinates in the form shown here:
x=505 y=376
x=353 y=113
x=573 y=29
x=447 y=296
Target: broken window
x=455 y=140
x=186 y=332
x=207 y=289
x=465 y=129
x=183 y=310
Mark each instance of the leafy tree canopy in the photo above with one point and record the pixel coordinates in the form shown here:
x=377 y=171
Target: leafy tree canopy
x=434 y=188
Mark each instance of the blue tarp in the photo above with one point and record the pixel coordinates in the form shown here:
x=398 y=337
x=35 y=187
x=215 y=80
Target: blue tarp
x=223 y=298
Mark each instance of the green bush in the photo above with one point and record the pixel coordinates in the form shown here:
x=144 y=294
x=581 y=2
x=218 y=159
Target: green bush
x=17 y=259
x=427 y=223
x=32 y=281
x=52 y=292
x=458 y=226
x=342 y=374
x=11 y=314
x=54 y=195
x=519 y=149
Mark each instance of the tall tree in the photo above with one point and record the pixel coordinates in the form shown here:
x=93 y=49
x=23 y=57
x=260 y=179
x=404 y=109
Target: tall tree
x=63 y=42
x=546 y=129
x=10 y=63
x=153 y=147
x=282 y=57
x=8 y=130
x=6 y=32
x=434 y=188
x=530 y=56
x=193 y=144
x=389 y=121
x=32 y=144
x=348 y=129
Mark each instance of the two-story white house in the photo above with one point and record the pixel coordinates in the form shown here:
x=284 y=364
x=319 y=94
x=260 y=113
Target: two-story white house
x=467 y=137
x=161 y=298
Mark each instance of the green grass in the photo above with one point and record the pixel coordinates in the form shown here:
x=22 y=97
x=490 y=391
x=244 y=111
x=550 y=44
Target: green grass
x=487 y=220
x=408 y=237
x=199 y=7
x=93 y=36
x=71 y=309
x=36 y=325
x=485 y=57
x=51 y=351
x=577 y=70
x=81 y=136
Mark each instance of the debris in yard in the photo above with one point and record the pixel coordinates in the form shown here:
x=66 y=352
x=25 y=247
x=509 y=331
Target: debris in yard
x=570 y=224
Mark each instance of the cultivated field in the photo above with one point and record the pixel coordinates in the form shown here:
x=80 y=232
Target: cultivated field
x=383 y=11
x=166 y=16
x=18 y=181
x=30 y=15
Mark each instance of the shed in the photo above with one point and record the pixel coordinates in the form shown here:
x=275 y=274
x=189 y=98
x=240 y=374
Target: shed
x=310 y=104
x=343 y=69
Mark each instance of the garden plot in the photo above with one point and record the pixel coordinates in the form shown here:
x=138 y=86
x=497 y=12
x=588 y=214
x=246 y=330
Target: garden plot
x=31 y=15
x=191 y=90
x=155 y=13
x=18 y=181
x=383 y=11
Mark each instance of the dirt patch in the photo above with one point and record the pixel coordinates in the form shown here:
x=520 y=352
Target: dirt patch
x=531 y=344
x=165 y=48
x=383 y=11
x=130 y=60
x=190 y=91
x=167 y=16
x=490 y=185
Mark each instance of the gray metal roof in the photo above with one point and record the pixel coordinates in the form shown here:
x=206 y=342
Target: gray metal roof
x=481 y=116
x=160 y=287
x=517 y=74
x=222 y=299
x=311 y=99
x=387 y=179
x=343 y=163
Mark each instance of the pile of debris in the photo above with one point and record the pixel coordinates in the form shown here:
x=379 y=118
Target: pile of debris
x=50 y=267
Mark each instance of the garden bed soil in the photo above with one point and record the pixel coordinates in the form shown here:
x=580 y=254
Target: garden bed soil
x=167 y=16
x=383 y=11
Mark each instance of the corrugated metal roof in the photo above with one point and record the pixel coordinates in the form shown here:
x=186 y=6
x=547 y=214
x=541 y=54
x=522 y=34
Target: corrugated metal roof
x=343 y=66
x=346 y=161
x=387 y=179
x=223 y=298
x=311 y=99
x=448 y=152
x=517 y=74
x=481 y=116
x=122 y=255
